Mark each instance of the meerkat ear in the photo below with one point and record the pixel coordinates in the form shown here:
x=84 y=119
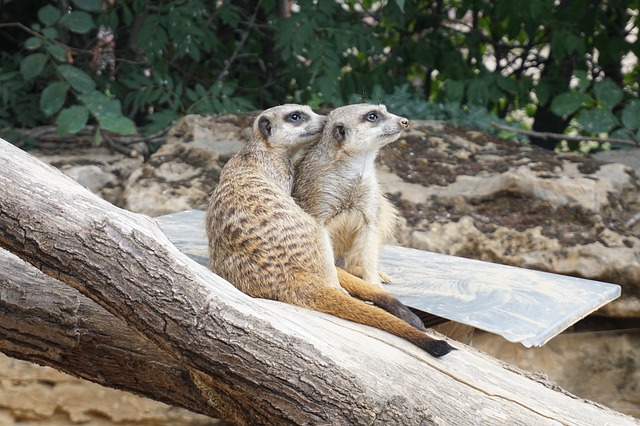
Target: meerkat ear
x=265 y=127
x=339 y=132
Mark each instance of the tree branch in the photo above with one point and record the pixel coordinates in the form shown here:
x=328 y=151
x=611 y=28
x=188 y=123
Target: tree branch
x=240 y=45
x=560 y=136
x=47 y=322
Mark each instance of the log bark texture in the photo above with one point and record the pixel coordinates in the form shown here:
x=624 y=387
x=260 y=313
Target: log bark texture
x=253 y=361
x=45 y=321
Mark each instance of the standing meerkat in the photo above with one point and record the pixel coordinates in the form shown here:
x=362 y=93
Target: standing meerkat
x=262 y=242
x=336 y=183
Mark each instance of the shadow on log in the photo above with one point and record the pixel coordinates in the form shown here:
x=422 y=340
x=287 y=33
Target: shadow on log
x=254 y=361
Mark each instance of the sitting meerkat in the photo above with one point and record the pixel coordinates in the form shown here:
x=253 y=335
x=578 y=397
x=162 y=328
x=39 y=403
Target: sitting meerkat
x=336 y=183
x=263 y=243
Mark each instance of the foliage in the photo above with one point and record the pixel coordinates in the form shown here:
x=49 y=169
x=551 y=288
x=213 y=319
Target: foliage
x=571 y=65
x=164 y=64
x=409 y=103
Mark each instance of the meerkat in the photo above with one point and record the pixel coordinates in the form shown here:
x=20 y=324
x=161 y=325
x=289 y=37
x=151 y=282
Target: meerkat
x=263 y=243
x=336 y=183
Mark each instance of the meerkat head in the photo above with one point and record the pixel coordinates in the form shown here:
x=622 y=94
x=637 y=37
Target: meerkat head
x=363 y=127
x=288 y=126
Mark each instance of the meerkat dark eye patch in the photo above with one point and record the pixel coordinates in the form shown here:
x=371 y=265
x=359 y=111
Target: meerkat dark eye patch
x=296 y=117
x=265 y=127
x=372 y=116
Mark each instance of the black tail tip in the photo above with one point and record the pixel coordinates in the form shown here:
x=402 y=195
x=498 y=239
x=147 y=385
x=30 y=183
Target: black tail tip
x=439 y=348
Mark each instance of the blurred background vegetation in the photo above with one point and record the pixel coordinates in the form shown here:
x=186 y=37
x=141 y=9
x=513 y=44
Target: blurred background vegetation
x=132 y=67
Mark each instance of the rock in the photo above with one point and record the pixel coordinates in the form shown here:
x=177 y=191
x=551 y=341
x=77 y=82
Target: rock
x=184 y=171
x=468 y=194
x=92 y=177
x=97 y=168
x=629 y=157
x=30 y=395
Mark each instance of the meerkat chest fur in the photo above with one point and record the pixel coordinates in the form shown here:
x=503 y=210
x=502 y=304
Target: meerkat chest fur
x=336 y=182
x=354 y=191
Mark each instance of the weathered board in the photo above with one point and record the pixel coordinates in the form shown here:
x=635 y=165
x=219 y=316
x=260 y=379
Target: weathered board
x=522 y=305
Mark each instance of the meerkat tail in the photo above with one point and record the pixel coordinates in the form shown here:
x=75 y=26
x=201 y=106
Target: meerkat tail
x=332 y=301
x=364 y=290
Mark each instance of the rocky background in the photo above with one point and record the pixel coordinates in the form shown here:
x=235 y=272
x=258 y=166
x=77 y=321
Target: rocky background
x=461 y=192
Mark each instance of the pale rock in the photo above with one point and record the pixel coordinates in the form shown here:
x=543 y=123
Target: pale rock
x=35 y=395
x=91 y=177
x=183 y=172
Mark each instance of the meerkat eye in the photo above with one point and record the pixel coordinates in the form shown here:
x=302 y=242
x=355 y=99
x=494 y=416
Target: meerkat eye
x=372 y=116
x=294 y=116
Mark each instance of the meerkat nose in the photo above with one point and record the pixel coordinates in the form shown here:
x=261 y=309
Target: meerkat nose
x=404 y=122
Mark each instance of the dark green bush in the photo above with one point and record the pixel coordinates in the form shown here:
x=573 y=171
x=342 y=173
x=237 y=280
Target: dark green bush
x=125 y=65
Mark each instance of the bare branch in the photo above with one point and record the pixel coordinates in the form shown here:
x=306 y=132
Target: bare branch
x=560 y=136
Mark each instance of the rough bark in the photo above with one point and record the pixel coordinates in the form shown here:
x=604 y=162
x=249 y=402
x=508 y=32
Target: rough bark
x=44 y=321
x=255 y=361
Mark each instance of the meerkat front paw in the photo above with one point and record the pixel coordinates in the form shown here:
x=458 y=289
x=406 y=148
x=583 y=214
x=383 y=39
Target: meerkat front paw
x=374 y=278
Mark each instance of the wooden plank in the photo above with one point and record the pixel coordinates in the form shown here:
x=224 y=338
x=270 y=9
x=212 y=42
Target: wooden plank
x=522 y=305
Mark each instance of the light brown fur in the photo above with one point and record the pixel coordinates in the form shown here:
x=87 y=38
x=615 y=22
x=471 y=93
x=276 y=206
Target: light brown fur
x=336 y=183
x=261 y=241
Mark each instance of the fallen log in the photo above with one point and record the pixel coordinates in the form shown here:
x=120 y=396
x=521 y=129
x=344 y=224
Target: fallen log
x=45 y=321
x=256 y=361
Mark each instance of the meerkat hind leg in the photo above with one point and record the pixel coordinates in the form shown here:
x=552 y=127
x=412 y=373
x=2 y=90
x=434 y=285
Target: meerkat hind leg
x=364 y=290
x=331 y=301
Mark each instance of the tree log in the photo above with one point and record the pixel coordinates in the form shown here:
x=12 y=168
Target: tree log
x=254 y=361
x=47 y=322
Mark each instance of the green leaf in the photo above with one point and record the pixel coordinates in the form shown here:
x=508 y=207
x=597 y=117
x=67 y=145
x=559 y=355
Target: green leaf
x=78 y=22
x=631 y=115
x=127 y=15
x=574 y=44
x=568 y=103
x=608 y=93
x=31 y=66
x=478 y=92
x=50 y=32
x=100 y=105
x=53 y=97
x=57 y=52
x=454 y=91
x=543 y=92
x=49 y=15
x=160 y=120
x=33 y=43
x=117 y=124
x=583 y=80
x=400 y=4
x=78 y=79
x=597 y=120
x=622 y=133
x=229 y=13
x=558 y=48
x=507 y=85
x=72 y=119
x=89 y=5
